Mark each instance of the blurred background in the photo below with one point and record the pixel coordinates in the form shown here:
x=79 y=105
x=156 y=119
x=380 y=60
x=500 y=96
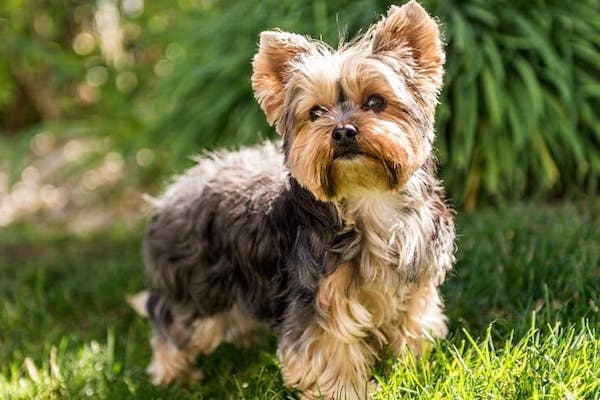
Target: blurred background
x=102 y=100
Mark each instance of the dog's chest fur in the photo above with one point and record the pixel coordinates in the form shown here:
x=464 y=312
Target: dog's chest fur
x=397 y=239
x=397 y=230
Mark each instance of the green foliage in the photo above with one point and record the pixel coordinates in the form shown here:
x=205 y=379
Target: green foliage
x=521 y=85
x=208 y=98
x=68 y=333
x=518 y=115
x=64 y=61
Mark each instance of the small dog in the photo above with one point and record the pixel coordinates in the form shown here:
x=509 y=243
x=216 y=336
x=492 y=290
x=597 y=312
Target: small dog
x=339 y=241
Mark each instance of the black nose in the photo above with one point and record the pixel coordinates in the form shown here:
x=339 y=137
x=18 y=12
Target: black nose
x=345 y=135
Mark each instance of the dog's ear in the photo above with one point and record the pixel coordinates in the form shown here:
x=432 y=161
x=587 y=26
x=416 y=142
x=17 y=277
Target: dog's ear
x=271 y=69
x=409 y=32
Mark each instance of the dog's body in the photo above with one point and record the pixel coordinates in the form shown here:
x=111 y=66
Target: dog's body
x=339 y=243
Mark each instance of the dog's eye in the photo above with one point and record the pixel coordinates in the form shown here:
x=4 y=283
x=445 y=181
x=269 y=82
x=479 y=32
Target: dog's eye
x=316 y=112
x=374 y=103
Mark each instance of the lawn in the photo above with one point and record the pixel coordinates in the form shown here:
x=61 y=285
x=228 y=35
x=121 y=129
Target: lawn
x=523 y=305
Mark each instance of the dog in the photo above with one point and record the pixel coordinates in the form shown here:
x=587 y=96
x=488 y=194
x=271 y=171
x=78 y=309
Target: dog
x=337 y=238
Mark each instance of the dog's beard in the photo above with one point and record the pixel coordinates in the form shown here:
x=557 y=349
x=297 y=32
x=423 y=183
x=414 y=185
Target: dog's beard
x=332 y=175
x=359 y=175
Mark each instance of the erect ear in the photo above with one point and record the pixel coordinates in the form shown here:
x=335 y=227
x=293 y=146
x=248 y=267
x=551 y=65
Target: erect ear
x=410 y=31
x=271 y=69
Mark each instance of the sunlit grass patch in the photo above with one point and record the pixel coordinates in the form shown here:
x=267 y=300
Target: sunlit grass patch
x=551 y=362
x=522 y=306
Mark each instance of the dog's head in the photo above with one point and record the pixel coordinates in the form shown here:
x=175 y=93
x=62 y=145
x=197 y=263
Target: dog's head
x=360 y=118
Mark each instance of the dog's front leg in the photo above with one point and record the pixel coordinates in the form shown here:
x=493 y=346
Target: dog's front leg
x=332 y=356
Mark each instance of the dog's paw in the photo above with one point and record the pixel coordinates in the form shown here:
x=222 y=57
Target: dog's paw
x=372 y=387
x=159 y=375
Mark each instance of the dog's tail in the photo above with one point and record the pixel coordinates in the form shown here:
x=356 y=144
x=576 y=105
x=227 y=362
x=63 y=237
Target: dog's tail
x=139 y=302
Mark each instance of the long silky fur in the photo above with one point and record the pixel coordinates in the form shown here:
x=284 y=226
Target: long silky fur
x=238 y=231
x=343 y=258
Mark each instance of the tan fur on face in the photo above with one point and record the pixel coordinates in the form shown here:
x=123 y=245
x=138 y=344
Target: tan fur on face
x=394 y=141
x=399 y=58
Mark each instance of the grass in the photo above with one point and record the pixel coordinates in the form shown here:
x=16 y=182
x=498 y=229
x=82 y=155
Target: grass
x=523 y=307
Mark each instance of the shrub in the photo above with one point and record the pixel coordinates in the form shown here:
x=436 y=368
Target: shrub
x=518 y=116
x=519 y=113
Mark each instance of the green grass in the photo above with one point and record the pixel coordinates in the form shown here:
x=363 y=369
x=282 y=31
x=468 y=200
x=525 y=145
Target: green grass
x=523 y=307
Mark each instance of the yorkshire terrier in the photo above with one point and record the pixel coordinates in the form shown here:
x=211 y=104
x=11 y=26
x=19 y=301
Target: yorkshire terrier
x=338 y=240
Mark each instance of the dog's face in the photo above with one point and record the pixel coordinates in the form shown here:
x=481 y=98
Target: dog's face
x=358 y=119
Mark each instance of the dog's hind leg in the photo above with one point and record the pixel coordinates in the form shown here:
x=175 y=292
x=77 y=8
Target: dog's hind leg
x=178 y=338
x=171 y=360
